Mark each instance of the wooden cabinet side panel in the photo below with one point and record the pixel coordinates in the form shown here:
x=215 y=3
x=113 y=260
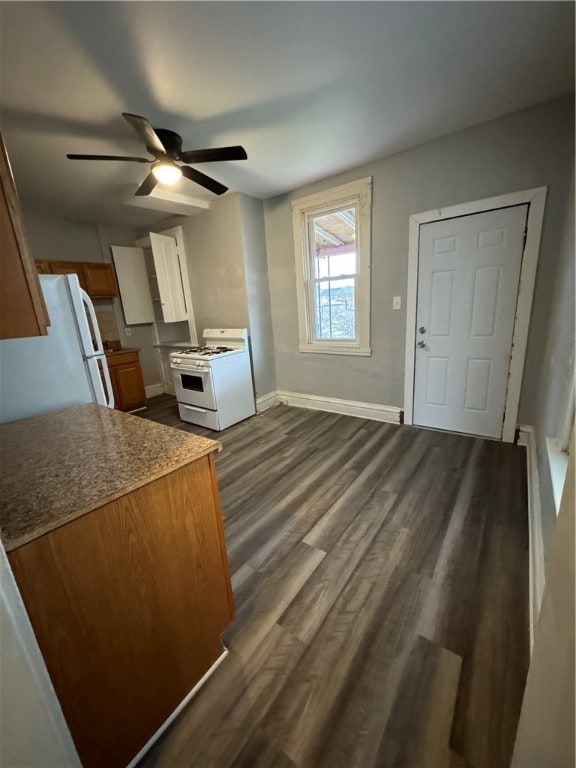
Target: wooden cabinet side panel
x=115 y=392
x=221 y=535
x=128 y=604
x=22 y=308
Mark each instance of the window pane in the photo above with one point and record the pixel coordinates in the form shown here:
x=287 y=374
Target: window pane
x=334 y=309
x=333 y=243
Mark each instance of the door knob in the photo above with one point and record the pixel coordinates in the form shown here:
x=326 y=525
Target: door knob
x=422 y=329
x=422 y=343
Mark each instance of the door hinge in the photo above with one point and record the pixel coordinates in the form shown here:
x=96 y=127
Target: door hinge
x=525 y=238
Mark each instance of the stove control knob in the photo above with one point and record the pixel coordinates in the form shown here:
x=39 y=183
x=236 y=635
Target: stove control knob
x=176 y=362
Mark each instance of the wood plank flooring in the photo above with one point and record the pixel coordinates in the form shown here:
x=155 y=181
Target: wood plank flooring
x=380 y=575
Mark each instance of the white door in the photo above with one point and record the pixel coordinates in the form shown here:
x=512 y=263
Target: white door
x=468 y=276
x=168 y=273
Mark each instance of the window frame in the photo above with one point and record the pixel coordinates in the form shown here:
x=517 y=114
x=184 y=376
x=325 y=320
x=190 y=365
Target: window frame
x=356 y=194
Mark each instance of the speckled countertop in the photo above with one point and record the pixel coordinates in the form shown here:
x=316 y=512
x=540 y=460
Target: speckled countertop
x=122 y=351
x=61 y=465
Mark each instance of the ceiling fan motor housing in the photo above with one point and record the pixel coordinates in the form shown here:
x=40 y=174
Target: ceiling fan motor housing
x=172 y=142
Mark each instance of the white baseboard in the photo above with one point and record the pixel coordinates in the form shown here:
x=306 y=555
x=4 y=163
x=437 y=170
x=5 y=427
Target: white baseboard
x=155 y=389
x=373 y=411
x=536 y=540
x=136 y=759
x=267 y=401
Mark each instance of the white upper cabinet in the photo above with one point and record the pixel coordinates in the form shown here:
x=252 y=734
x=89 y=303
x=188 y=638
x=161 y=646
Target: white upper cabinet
x=169 y=276
x=130 y=264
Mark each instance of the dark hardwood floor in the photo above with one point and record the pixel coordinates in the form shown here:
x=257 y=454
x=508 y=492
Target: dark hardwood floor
x=380 y=574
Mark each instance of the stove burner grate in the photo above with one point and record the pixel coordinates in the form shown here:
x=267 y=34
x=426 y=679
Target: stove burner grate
x=206 y=350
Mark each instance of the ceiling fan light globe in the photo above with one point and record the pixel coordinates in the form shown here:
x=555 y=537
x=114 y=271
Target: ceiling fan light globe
x=167 y=173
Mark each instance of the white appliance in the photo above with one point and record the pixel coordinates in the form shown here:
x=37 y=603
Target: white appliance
x=214 y=383
x=67 y=367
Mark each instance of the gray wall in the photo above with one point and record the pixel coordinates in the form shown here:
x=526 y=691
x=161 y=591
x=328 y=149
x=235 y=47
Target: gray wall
x=215 y=264
x=141 y=336
x=58 y=239
x=546 y=390
x=228 y=271
x=527 y=149
x=545 y=736
x=258 y=294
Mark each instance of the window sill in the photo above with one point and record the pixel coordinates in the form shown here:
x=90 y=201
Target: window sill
x=558 y=462
x=333 y=350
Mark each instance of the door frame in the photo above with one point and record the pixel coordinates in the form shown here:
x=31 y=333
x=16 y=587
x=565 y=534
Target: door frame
x=536 y=199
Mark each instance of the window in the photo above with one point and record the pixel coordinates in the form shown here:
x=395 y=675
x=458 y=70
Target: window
x=332 y=249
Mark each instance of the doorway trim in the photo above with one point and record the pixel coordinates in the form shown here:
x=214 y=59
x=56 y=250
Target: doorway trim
x=536 y=199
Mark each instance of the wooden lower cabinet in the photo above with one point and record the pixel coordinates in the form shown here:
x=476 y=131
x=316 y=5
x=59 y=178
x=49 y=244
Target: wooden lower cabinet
x=128 y=604
x=127 y=381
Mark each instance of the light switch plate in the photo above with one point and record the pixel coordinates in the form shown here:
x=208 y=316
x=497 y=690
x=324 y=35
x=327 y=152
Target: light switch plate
x=128 y=331
x=397 y=302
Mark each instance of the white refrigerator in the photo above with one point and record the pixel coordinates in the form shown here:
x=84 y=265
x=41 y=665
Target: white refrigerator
x=67 y=367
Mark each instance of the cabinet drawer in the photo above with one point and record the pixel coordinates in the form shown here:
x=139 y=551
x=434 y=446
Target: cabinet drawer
x=122 y=359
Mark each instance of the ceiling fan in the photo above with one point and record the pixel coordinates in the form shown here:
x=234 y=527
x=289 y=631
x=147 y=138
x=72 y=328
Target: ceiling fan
x=166 y=147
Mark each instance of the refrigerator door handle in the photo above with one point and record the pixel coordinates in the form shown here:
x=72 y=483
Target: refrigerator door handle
x=110 y=398
x=85 y=318
x=103 y=392
x=94 y=342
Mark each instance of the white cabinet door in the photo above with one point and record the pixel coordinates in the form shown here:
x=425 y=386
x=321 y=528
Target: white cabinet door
x=133 y=283
x=167 y=266
x=468 y=275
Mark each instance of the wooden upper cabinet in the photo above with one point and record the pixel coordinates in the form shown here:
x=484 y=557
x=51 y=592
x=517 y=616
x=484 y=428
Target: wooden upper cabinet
x=100 y=280
x=43 y=267
x=97 y=278
x=22 y=309
x=68 y=268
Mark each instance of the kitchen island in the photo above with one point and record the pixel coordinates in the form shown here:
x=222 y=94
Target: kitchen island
x=114 y=533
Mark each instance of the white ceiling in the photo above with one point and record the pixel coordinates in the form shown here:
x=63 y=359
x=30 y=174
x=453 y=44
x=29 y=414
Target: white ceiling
x=308 y=88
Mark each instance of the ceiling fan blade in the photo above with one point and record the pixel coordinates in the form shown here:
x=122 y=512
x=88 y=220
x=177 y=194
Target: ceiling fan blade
x=213 y=155
x=147 y=185
x=146 y=133
x=108 y=157
x=203 y=180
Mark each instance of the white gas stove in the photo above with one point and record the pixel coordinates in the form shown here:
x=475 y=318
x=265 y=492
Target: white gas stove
x=214 y=382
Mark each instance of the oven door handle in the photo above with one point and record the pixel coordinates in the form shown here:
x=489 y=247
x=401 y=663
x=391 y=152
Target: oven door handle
x=193 y=408
x=188 y=369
